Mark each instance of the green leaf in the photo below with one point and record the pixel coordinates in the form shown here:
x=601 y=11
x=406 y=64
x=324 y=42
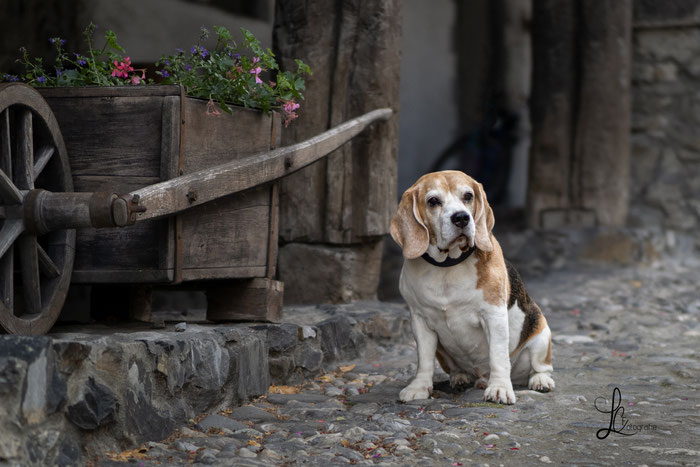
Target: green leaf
x=111 y=38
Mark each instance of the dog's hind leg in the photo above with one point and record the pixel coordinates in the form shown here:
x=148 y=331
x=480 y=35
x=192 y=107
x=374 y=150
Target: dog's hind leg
x=540 y=348
x=457 y=376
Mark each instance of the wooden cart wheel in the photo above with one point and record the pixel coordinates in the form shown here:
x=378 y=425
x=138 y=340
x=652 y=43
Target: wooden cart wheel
x=35 y=267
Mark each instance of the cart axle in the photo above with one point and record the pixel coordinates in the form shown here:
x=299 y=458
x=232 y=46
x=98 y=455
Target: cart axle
x=45 y=211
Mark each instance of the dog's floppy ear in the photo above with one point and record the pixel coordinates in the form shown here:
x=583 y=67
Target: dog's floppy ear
x=407 y=227
x=483 y=220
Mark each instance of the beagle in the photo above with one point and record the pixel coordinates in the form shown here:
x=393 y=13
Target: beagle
x=468 y=306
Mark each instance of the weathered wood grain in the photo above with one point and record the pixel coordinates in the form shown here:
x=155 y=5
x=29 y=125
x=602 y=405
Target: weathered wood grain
x=580 y=109
x=353 y=48
x=118 y=136
x=552 y=106
x=211 y=240
x=258 y=299
x=306 y=29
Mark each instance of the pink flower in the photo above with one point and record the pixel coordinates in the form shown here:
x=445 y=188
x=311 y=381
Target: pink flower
x=256 y=59
x=290 y=106
x=121 y=70
x=137 y=79
x=256 y=71
x=211 y=108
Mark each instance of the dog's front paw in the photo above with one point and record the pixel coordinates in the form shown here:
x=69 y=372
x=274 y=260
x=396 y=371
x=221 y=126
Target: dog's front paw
x=541 y=382
x=500 y=391
x=416 y=390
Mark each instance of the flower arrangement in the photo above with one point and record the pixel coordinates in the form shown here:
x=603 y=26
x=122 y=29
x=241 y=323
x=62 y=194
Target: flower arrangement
x=228 y=74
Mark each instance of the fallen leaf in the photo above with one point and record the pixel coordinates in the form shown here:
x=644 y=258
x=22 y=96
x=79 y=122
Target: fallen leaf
x=346 y=368
x=345 y=443
x=253 y=443
x=326 y=378
x=283 y=389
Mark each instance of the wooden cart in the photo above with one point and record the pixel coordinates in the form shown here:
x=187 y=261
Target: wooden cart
x=160 y=190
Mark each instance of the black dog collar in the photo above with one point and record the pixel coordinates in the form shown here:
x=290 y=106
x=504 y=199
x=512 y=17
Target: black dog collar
x=449 y=261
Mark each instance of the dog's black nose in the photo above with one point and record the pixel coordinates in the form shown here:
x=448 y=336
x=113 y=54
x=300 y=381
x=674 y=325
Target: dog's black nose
x=460 y=219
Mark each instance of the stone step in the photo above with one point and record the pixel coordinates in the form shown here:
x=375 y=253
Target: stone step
x=83 y=391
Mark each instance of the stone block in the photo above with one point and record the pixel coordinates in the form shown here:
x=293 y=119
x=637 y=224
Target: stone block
x=97 y=406
x=315 y=273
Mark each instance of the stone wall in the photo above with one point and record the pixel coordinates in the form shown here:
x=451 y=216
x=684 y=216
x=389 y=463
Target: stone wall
x=665 y=152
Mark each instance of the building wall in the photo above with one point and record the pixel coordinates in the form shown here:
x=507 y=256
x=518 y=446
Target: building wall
x=428 y=120
x=665 y=152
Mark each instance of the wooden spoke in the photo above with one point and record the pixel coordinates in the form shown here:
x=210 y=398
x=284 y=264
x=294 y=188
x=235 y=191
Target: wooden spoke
x=7 y=267
x=42 y=158
x=9 y=232
x=24 y=155
x=46 y=265
x=8 y=191
x=29 y=266
x=5 y=143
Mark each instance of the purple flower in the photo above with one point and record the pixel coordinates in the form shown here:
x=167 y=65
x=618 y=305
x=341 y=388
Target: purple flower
x=237 y=55
x=59 y=72
x=179 y=50
x=164 y=73
x=193 y=49
x=10 y=78
x=81 y=60
x=205 y=53
x=166 y=62
x=188 y=67
x=41 y=79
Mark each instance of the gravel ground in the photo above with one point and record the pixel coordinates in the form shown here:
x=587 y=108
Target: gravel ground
x=632 y=329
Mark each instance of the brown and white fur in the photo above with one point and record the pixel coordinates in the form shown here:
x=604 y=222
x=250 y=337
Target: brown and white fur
x=476 y=316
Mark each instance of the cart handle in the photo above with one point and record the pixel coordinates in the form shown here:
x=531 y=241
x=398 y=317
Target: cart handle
x=45 y=211
x=180 y=193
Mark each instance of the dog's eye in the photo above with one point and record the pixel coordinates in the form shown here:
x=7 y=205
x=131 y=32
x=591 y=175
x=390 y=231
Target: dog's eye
x=434 y=201
x=468 y=196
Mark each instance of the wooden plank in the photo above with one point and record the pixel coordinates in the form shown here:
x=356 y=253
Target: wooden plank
x=109 y=91
x=226 y=232
x=134 y=248
x=258 y=299
x=216 y=139
x=119 y=136
x=125 y=276
x=273 y=232
x=231 y=272
x=170 y=163
x=172 y=196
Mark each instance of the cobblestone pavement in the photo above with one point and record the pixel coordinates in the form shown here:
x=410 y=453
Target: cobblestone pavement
x=632 y=329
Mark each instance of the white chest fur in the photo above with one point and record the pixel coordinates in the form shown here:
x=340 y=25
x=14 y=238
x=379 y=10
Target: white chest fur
x=450 y=304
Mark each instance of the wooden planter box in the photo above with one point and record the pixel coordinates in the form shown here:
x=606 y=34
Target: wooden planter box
x=124 y=138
